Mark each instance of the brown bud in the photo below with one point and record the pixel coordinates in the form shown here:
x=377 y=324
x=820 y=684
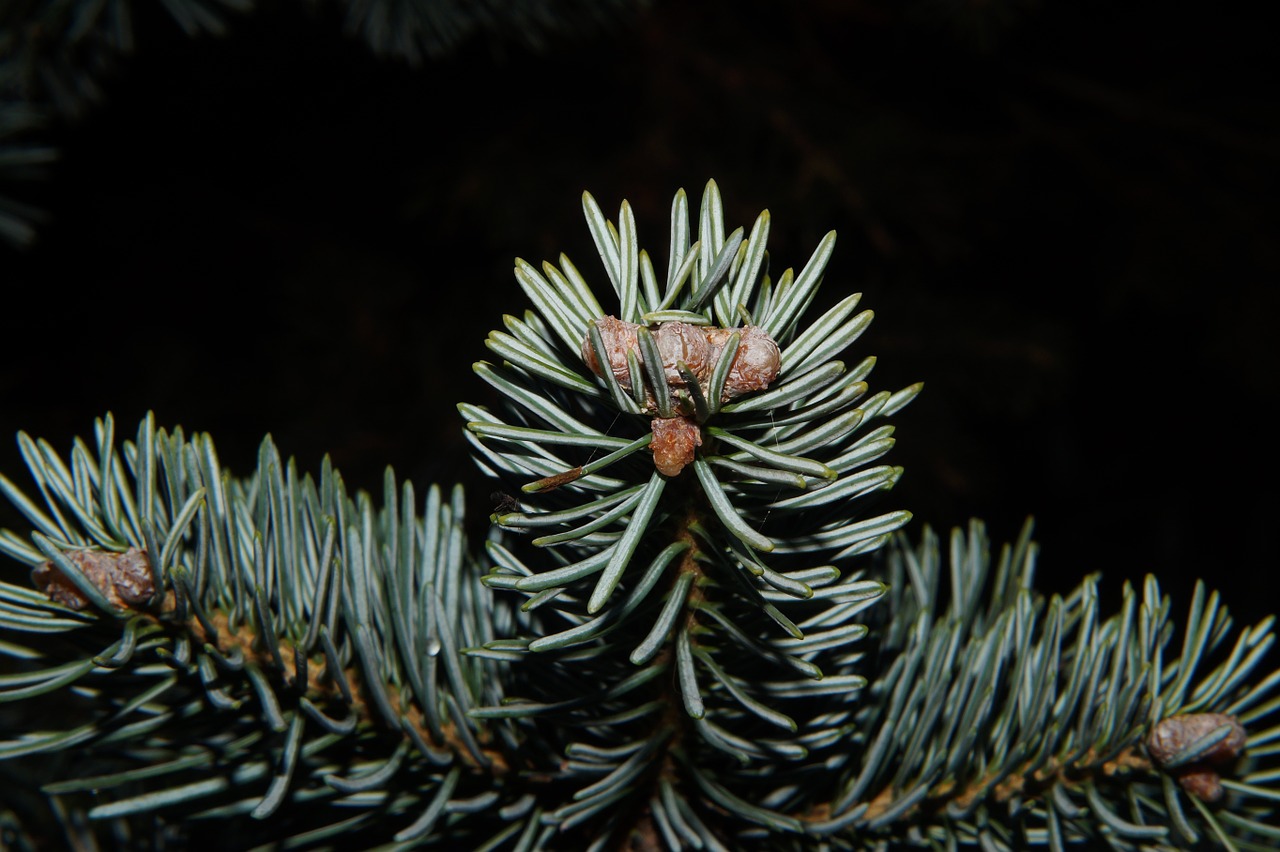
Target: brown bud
x=1200 y=781
x=674 y=441
x=1172 y=736
x=755 y=365
x=619 y=337
x=679 y=341
x=1171 y=739
x=123 y=578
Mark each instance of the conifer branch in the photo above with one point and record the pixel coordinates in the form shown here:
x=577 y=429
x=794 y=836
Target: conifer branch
x=684 y=634
x=55 y=56
x=1008 y=721
x=301 y=649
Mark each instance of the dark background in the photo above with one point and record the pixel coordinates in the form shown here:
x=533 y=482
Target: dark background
x=1063 y=214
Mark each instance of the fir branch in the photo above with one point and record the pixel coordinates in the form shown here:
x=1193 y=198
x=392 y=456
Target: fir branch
x=412 y=30
x=695 y=659
x=56 y=54
x=301 y=650
x=1008 y=721
x=741 y=646
x=22 y=159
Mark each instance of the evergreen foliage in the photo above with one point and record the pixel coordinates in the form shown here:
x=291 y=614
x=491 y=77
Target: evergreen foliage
x=413 y=29
x=21 y=159
x=54 y=55
x=741 y=654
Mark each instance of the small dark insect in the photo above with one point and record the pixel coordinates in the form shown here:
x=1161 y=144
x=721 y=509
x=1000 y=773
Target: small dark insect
x=697 y=348
x=504 y=503
x=124 y=578
x=1176 y=739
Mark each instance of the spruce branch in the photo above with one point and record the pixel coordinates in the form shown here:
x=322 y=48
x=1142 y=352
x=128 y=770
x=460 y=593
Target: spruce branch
x=55 y=53
x=413 y=29
x=299 y=649
x=22 y=160
x=706 y=603
x=1005 y=720
x=688 y=632
x=55 y=56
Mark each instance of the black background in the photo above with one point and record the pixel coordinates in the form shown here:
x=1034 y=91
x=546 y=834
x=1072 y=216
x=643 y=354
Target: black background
x=1063 y=214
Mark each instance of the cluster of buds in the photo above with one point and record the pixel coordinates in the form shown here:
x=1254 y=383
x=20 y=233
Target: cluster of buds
x=698 y=348
x=688 y=353
x=1177 y=746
